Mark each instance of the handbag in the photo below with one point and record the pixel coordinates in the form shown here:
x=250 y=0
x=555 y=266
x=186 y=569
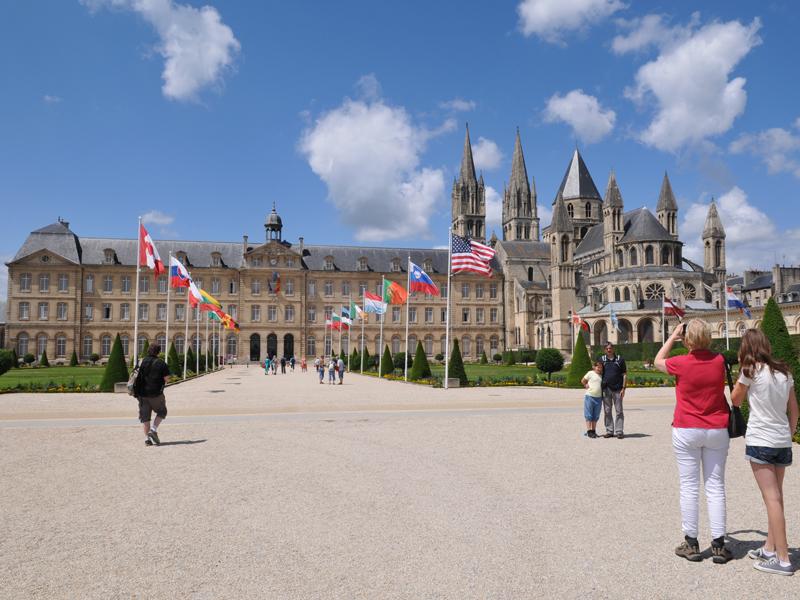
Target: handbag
x=736 y=425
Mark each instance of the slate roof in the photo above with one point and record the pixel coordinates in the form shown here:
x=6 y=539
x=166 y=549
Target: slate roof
x=759 y=283
x=527 y=250
x=560 y=222
x=666 y=199
x=738 y=280
x=613 y=195
x=345 y=258
x=577 y=182
x=519 y=173
x=198 y=254
x=57 y=238
x=642 y=226
x=592 y=241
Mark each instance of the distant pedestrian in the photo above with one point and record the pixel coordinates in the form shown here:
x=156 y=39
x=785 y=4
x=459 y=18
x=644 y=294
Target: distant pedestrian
x=266 y=366
x=283 y=365
x=332 y=371
x=769 y=388
x=149 y=390
x=303 y=365
x=593 y=400
x=340 y=369
x=274 y=363
x=615 y=379
x=291 y=362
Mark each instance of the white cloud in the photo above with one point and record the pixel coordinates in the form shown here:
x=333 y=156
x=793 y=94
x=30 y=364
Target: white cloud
x=486 y=155
x=494 y=212
x=51 y=99
x=650 y=30
x=156 y=217
x=394 y=197
x=551 y=19
x=750 y=233
x=688 y=82
x=458 y=105
x=196 y=45
x=589 y=121
x=4 y=258
x=368 y=87
x=778 y=148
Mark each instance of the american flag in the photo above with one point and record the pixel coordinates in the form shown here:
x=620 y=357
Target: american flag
x=469 y=255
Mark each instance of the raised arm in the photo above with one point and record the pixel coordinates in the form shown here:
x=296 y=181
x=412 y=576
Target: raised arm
x=663 y=352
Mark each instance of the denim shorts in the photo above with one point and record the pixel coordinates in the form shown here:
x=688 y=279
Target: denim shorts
x=763 y=455
x=591 y=407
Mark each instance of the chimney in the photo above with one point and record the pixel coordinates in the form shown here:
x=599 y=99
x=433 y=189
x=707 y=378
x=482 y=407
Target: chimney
x=300 y=240
x=244 y=245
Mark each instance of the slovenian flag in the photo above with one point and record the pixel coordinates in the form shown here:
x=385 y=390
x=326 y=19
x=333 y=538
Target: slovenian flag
x=420 y=282
x=374 y=304
x=734 y=302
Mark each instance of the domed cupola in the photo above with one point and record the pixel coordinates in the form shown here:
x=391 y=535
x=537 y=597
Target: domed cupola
x=274 y=225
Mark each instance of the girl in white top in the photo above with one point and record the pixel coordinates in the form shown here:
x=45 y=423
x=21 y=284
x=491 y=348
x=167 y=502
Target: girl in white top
x=768 y=386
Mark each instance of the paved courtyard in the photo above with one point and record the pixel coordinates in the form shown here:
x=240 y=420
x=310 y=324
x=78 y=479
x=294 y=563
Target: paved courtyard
x=278 y=487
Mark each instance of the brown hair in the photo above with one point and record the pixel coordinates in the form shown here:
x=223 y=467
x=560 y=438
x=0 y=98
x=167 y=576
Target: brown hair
x=755 y=348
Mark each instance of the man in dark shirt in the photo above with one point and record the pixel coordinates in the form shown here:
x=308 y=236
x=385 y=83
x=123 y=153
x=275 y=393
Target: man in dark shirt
x=153 y=375
x=615 y=378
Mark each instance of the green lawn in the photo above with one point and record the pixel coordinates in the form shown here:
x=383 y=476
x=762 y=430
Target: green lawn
x=59 y=375
x=475 y=370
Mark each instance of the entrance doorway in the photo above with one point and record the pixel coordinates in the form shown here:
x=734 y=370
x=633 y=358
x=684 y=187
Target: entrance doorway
x=288 y=345
x=272 y=345
x=255 y=348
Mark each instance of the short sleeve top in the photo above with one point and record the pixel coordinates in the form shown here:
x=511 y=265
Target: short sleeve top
x=699 y=390
x=767 y=399
x=594 y=382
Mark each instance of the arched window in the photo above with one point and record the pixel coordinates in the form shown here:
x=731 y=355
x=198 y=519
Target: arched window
x=125 y=343
x=530 y=273
x=588 y=210
x=61 y=345
x=494 y=343
x=443 y=345
x=616 y=294
x=478 y=345
x=665 y=255
x=626 y=294
x=428 y=345
x=412 y=344
x=22 y=344
x=140 y=344
x=564 y=248
x=41 y=345
x=395 y=344
x=105 y=345
x=570 y=210
x=717 y=254
x=88 y=347
x=466 y=345
x=633 y=257
x=648 y=255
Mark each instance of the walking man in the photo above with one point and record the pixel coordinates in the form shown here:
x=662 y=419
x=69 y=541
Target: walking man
x=283 y=365
x=615 y=379
x=149 y=389
x=341 y=370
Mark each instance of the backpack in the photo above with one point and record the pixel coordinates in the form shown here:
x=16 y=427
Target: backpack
x=132 y=381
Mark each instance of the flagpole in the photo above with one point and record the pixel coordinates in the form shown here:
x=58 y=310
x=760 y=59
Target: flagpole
x=663 y=322
x=408 y=302
x=186 y=332
x=169 y=285
x=383 y=318
x=197 y=337
x=362 y=342
x=447 y=318
x=206 y=352
x=727 y=335
x=136 y=301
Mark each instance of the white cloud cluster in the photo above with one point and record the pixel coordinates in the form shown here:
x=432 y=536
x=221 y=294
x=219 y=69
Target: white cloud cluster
x=589 y=121
x=750 y=233
x=778 y=148
x=394 y=197
x=51 y=99
x=486 y=155
x=196 y=45
x=494 y=212
x=689 y=80
x=551 y=19
x=458 y=105
x=650 y=30
x=156 y=217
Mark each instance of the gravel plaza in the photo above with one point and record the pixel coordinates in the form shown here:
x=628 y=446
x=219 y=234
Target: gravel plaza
x=278 y=487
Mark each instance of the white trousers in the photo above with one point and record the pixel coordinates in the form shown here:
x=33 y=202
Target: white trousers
x=707 y=448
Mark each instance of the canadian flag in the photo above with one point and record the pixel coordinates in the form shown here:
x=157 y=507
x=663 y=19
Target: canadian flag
x=148 y=255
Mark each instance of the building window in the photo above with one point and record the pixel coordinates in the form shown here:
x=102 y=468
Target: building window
x=61 y=311
x=328 y=288
x=126 y=284
x=626 y=294
x=328 y=264
x=44 y=311
x=255 y=313
x=216 y=261
x=288 y=313
x=758 y=301
x=634 y=259
x=395 y=344
x=588 y=210
x=493 y=291
x=311 y=346
x=379 y=289
x=395 y=314
x=140 y=345
x=125 y=341
x=144 y=284
x=255 y=261
x=108 y=284
x=443 y=345
x=106 y=311
x=179 y=344
x=466 y=345
x=88 y=346
x=427 y=266
x=231 y=345
x=288 y=289
x=180 y=312
x=493 y=315
x=362 y=264
x=616 y=295
x=479 y=315
x=105 y=345
x=195 y=314
x=61 y=346
x=232 y=286
x=570 y=210
x=161 y=312
x=125 y=311
x=161 y=340
x=428 y=345
x=465 y=315
x=362 y=287
x=289 y=261
x=41 y=345
x=312 y=314
x=44 y=282
x=108 y=257
x=648 y=255
x=479 y=290
x=144 y=312
x=215 y=286
x=25 y=282
x=443 y=315
x=63 y=282
x=412 y=314
x=22 y=345
x=162 y=284
x=328 y=313
x=24 y=311
x=272 y=313
x=312 y=287
x=255 y=286
x=233 y=311
x=479 y=345
x=345 y=288
x=428 y=314
x=396 y=265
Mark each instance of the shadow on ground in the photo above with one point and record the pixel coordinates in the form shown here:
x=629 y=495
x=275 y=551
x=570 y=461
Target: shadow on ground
x=182 y=442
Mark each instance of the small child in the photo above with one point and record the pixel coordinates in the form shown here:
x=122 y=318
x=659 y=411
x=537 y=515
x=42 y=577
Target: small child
x=593 y=400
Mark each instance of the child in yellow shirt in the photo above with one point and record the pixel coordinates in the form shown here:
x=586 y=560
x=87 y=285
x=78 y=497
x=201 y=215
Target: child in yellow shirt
x=593 y=400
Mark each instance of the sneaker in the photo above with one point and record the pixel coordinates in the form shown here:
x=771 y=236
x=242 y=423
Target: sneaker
x=773 y=565
x=720 y=555
x=620 y=436
x=689 y=551
x=758 y=554
x=148 y=442
x=608 y=435
x=154 y=436
x=592 y=434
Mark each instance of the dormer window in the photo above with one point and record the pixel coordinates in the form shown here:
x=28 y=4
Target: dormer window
x=181 y=256
x=255 y=261
x=289 y=261
x=108 y=256
x=396 y=265
x=362 y=264
x=328 y=264
x=427 y=265
x=216 y=260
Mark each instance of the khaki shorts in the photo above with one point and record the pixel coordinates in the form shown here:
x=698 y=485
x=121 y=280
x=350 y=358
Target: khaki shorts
x=154 y=404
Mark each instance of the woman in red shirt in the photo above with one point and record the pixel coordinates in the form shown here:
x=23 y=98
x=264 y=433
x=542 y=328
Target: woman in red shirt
x=699 y=434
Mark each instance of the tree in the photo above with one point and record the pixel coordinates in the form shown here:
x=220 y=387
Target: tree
x=73 y=360
x=355 y=361
x=484 y=360
x=581 y=363
x=367 y=359
x=94 y=357
x=420 y=369
x=509 y=358
x=774 y=327
x=549 y=360
x=174 y=364
x=439 y=356
x=116 y=370
x=145 y=348
x=191 y=360
x=15 y=358
x=497 y=357
x=43 y=362
x=28 y=359
x=398 y=360
x=456 y=367
x=387 y=366
x=6 y=361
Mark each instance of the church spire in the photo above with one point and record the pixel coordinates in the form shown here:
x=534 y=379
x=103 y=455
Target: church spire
x=666 y=199
x=467 y=174
x=519 y=174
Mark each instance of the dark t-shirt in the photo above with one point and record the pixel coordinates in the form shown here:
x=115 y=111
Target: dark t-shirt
x=613 y=371
x=151 y=377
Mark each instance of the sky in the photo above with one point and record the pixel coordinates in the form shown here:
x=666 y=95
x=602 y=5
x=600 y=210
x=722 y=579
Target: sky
x=350 y=116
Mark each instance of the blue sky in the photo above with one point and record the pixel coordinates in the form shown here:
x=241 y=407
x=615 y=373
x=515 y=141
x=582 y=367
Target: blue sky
x=350 y=115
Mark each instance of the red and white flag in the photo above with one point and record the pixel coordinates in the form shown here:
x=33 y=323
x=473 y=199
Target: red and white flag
x=576 y=320
x=148 y=255
x=469 y=255
x=671 y=309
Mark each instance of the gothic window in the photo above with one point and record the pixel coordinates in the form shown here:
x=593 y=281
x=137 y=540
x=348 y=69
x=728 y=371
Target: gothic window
x=648 y=255
x=665 y=255
x=588 y=210
x=634 y=259
x=626 y=294
x=717 y=254
x=689 y=291
x=570 y=210
x=620 y=258
x=616 y=295
x=654 y=291
x=530 y=273
x=564 y=248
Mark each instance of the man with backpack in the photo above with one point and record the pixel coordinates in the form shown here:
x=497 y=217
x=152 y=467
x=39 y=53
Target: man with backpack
x=615 y=378
x=149 y=390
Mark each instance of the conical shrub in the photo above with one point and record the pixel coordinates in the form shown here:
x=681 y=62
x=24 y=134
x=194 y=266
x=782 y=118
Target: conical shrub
x=191 y=360
x=173 y=362
x=581 y=363
x=367 y=360
x=420 y=369
x=387 y=366
x=15 y=359
x=116 y=370
x=355 y=361
x=456 y=367
x=43 y=362
x=484 y=358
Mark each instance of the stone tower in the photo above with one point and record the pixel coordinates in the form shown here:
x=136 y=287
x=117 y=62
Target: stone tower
x=469 y=198
x=581 y=198
x=714 y=244
x=273 y=225
x=613 y=226
x=562 y=274
x=520 y=218
x=667 y=209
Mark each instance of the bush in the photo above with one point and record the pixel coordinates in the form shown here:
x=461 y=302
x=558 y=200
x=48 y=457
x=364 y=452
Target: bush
x=484 y=360
x=508 y=358
x=116 y=370
x=28 y=359
x=173 y=362
x=6 y=361
x=15 y=358
x=355 y=361
x=456 y=367
x=527 y=356
x=549 y=360
x=497 y=357
x=368 y=362
x=94 y=357
x=398 y=358
x=581 y=363
x=73 y=360
x=387 y=367
x=774 y=327
x=420 y=369
x=731 y=357
x=43 y=362
x=439 y=356
x=678 y=352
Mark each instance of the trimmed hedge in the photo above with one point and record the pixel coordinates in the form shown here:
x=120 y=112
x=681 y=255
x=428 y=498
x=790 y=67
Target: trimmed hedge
x=420 y=369
x=581 y=363
x=456 y=367
x=116 y=370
